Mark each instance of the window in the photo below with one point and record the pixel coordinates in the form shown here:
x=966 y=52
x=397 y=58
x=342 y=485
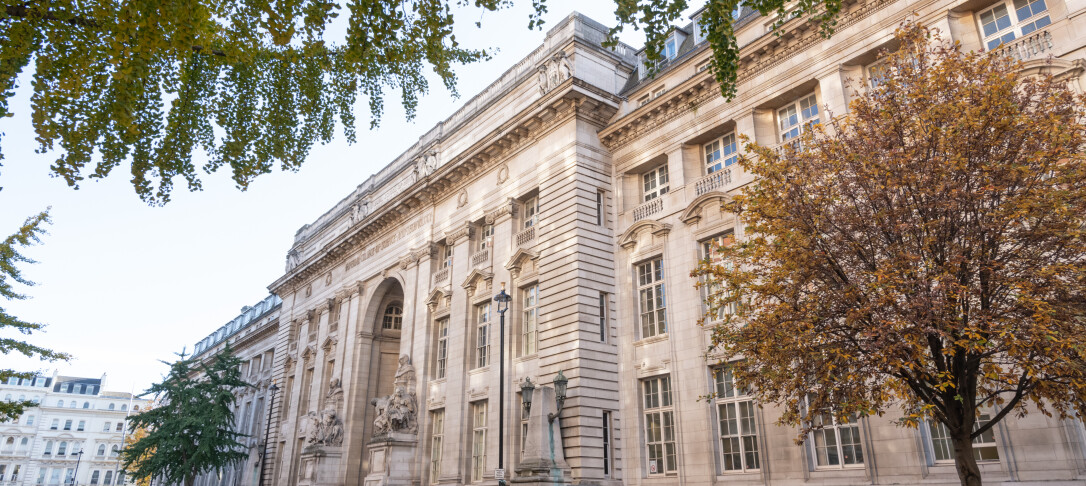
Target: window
x=48 y=448
x=67 y=388
x=655 y=183
x=55 y=425
x=101 y=449
x=94 y=477
x=15 y=473
x=710 y=250
x=442 y=346
x=607 y=453
x=446 y=255
x=877 y=73
x=797 y=116
x=529 y=328
x=54 y=477
x=984 y=447
x=644 y=100
x=478 y=441
x=671 y=48
x=738 y=431
x=650 y=286
x=999 y=27
x=86 y=404
x=72 y=405
x=837 y=442
x=41 y=476
x=437 y=418
x=482 y=335
x=531 y=212
x=60 y=403
x=124 y=408
x=106 y=427
x=67 y=425
x=120 y=426
x=62 y=449
x=109 y=477
x=525 y=413
x=114 y=450
x=81 y=388
x=30 y=420
x=486 y=237
x=393 y=318
x=721 y=153
x=82 y=425
x=659 y=426
x=599 y=208
x=602 y=311
x=112 y=406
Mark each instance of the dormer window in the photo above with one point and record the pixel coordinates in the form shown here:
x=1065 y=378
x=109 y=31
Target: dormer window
x=671 y=47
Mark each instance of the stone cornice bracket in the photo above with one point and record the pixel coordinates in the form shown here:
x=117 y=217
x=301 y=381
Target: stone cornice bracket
x=408 y=261
x=502 y=212
x=454 y=236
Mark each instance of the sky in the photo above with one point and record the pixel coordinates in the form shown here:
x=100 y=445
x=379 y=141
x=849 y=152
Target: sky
x=123 y=286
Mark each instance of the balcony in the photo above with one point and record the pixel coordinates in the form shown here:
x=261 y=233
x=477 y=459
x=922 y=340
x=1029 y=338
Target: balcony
x=650 y=208
x=713 y=181
x=526 y=238
x=1033 y=46
x=441 y=276
x=481 y=257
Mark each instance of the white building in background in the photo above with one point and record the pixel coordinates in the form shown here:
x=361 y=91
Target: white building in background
x=76 y=432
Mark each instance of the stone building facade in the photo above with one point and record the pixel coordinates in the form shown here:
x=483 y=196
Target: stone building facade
x=587 y=190
x=73 y=435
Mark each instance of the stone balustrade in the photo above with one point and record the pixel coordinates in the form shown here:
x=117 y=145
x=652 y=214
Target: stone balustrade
x=648 y=209
x=713 y=181
x=1033 y=46
x=526 y=238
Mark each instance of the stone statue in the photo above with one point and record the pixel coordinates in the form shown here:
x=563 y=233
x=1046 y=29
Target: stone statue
x=334 y=398
x=325 y=428
x=553 y=71
x=398 y=412
x=293 y=259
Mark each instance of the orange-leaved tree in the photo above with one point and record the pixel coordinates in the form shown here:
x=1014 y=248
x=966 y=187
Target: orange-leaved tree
x=924 y=254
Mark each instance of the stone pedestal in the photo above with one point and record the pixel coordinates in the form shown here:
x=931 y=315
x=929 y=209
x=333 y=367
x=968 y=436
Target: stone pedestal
x=543 y=461
x=391 y=459
x=321 y=466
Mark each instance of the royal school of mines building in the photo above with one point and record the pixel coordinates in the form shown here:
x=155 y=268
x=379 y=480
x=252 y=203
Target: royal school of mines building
x=590 y=190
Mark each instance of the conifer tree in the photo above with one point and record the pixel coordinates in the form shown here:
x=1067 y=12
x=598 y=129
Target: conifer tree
x=191 y=430
x=28 y=234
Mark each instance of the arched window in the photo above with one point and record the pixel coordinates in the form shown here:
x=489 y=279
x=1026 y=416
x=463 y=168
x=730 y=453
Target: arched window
x=135 y=408
x=86 y=404
x=60 y=403
x=7 y=398
x=116 y=449
x=101 y=449
x=124 y=408
x=62 y=448
x=9 y=445
x=393 y=316
x=73 y=405
x=22 y=398
x=111 y=406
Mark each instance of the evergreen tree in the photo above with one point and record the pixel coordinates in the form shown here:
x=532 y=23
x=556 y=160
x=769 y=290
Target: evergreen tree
x=191 y=431
x=28 y=234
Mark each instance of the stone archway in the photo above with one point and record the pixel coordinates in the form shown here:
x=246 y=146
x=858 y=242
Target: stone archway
x=377 y=357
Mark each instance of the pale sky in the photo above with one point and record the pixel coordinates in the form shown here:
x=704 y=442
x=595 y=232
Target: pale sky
x=122 y=285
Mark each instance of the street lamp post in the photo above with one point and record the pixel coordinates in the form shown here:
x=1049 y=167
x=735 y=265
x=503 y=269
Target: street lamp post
x=267 y=428
x=503 y=300
x=77 y=459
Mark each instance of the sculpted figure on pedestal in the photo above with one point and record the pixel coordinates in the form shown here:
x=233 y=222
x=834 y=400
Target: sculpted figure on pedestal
x=398 y=412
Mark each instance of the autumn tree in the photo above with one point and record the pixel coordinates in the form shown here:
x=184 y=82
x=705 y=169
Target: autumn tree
x=923 y=254
x=191 y=430
x=135 y=435
x=10 y=274
x=256 y=83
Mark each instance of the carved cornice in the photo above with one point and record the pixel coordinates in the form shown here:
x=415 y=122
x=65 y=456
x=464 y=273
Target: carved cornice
x=454 y=236
x=573 y=98
x=797 y=36
x=474 y=278
x=692 y=213
x=628 y=240
x=502 y=212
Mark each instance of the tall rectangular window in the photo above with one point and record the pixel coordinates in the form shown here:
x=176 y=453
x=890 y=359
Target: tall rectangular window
x=837 y=442
x=442 y=346
x=984 y=447
x=659 y=426
x=999 y=26
x=650 y=287
x=478 y=441
x=796 y=117
x=482 y=335
x=607 y=452
x=82 y=425
x=486 y=237
x=714 y=293
x=655 y=183
x=599 y=208
x=437 y=419
x=531 y=212
x=738 y=430
x=529 y=329
x=446 y=255
x=67 y=425
x=721 y=153
x=603 y=316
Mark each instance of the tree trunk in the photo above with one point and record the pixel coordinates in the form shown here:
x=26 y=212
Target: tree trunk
x=966 y=464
